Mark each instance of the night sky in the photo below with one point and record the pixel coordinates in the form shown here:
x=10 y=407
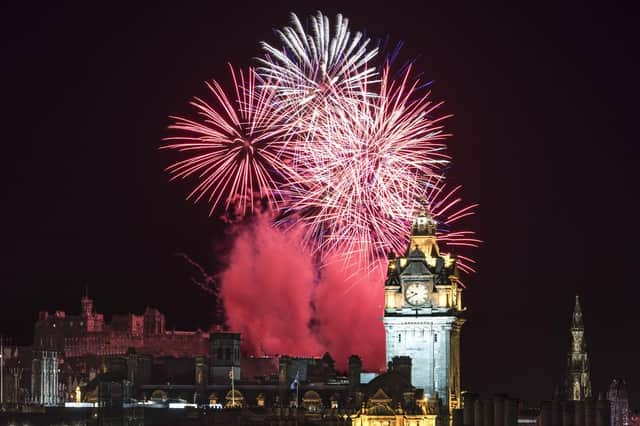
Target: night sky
x=545 y=102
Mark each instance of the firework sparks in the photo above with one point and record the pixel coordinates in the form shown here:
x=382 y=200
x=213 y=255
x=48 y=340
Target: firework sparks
x=317 y=67
x=447 y=208
x=236 y=148
x=365 y=165
x=349 y=152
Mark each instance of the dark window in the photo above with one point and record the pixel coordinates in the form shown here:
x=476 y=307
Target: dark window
x=435 y=337
x=227 y=354
x=219 y=353
x=399 y=338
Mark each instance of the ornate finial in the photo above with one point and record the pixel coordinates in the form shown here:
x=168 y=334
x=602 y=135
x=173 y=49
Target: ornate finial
x=576 y=320
x=423 y=222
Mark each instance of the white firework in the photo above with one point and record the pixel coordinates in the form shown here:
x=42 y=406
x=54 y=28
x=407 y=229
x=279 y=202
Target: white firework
x=317 y=66
x=364 y=168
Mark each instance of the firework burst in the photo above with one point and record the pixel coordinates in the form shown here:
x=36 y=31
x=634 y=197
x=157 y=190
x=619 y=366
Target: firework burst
x=316 y=66
x=332 y=141
x=365 y=165
x=237 y=148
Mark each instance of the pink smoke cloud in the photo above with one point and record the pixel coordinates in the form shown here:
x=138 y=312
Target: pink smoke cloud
x=266 y=291
x=282 y=303
x=349 y=303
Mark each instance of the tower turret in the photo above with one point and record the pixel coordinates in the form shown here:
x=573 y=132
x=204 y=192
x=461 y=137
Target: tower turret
x=578 y=378
x=423 y=224
x=86 y=304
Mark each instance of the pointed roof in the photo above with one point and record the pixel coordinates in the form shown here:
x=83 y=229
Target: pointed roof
x=576 y=319
x=416 y=266
x=380 y=396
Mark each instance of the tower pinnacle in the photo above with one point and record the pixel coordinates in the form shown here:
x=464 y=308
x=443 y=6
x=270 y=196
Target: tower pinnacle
x=423 y=223
x=576 y=321
x=578 y=378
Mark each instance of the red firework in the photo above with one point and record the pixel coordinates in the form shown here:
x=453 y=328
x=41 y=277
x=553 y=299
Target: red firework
x=237 y=150
x=448 y=209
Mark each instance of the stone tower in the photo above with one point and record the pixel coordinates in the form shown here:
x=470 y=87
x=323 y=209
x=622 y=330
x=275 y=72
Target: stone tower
x=422 y=313
x=224 y=356
x=577 y=384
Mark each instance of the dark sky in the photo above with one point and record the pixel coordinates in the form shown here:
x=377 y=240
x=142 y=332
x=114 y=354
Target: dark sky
x=545 y=103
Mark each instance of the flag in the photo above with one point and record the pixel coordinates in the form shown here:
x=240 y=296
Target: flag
x=296 y=381
x=231 y=374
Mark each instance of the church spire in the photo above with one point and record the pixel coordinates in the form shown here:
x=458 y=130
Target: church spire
x=578 y=379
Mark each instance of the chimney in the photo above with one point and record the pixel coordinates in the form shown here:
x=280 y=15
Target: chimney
x=402 y=365
x=355 y=368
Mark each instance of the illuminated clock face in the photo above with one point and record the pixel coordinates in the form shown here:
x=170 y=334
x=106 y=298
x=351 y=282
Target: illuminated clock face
x=416 y=294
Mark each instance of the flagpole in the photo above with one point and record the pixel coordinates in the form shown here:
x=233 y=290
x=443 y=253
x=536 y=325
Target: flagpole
x=233 y=391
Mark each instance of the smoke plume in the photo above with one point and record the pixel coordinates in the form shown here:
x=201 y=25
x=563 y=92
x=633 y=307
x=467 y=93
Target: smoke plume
x=284 y=303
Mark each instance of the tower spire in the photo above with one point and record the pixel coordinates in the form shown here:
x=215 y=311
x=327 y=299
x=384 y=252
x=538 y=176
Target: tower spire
x=578 y=379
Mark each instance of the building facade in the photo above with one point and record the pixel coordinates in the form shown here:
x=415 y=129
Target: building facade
x=619 y=402
x=422 y=316
x=89 y=334
x=44 y=378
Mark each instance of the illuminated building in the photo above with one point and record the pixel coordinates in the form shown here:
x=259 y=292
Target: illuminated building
x=619 y=401
x=89 y=334
x=577 y=385
x=422 y=313
x=44 y=378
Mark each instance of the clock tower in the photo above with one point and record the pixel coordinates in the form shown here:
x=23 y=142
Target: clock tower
x=422 y=313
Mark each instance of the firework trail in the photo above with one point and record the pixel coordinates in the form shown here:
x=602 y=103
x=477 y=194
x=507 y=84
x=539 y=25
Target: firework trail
x=316 y=67
x=207 y=282
x=237 y=148
x=447 y=208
